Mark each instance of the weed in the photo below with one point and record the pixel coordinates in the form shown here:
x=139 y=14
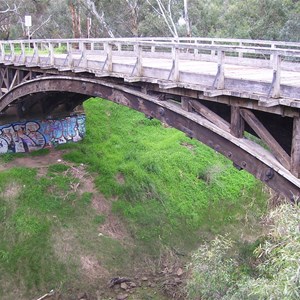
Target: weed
x=58 y=168
x=7 y=157
x=99 y=219
x=40 y=152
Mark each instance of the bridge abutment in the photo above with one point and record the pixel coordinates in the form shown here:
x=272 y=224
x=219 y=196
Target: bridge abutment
x=35 y=134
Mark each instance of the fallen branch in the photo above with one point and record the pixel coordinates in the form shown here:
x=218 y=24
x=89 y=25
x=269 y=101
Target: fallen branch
x=50 y=294
x=117 y=280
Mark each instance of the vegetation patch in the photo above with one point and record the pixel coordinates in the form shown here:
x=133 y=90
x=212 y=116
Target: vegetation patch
x=156 y=186
x=180 y=183
x=218 y=272
x=49 y=239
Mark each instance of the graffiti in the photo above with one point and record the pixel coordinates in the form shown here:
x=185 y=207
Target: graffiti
x=34 y=135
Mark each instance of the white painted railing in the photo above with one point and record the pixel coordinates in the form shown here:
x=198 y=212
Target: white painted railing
x=189 y=48
x=83 y=54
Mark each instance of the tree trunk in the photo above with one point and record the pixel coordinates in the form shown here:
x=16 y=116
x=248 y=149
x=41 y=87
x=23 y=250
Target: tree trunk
x=187 y=19
x=76 y=24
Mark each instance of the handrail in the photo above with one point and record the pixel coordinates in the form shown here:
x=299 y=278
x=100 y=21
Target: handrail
x=179 y=40
x=273 y=55
x=255 y=47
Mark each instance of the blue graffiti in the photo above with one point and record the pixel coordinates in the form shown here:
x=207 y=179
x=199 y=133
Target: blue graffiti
x=34 y=135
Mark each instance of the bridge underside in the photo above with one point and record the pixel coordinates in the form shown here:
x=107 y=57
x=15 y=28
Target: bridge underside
x=220 y=122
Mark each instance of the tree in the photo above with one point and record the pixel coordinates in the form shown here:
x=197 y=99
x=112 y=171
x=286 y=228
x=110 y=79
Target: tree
x=100 y=16
x=217 y=273
x=74 y=7
x=7 y=11
x=187 y=18
x=164 y=10
x=256 y=19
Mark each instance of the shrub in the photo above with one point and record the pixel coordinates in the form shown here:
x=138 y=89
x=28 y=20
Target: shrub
x=212 y=270
x=215 y=275
x=280 y=258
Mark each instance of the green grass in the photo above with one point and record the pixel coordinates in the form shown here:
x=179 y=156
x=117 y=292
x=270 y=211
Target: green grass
x=33 y=209
x=172 y=184
x=171 y=192
x=26 y=230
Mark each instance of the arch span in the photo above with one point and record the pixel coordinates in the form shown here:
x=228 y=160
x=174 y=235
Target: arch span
x=245 y=154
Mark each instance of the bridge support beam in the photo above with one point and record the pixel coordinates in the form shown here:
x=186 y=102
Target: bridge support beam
x=237 y=124
x=264 y=134
x=295 y=155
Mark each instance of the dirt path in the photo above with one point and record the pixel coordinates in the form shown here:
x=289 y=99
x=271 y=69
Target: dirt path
x=35 y=161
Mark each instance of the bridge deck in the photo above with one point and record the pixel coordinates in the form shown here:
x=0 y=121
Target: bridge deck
x=231 y=71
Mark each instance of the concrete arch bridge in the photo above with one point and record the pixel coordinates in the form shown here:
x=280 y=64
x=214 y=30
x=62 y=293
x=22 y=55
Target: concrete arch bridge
x=219 y=91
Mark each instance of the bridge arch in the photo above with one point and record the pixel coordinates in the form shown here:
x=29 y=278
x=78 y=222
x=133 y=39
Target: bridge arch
x=255 y=160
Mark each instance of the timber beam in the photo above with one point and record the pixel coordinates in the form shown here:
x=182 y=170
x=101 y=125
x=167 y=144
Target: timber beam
x=264 y=134
x=295 y=155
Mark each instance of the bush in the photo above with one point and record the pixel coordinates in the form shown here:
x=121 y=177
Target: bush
x=215 y=275
x=212 y=270
x=280 y=258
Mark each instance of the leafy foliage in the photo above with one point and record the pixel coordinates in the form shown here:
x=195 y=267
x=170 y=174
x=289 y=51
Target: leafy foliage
x=253 y=19
x=212 y=270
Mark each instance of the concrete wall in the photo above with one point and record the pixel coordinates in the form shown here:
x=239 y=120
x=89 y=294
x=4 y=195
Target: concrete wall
x=38 y=134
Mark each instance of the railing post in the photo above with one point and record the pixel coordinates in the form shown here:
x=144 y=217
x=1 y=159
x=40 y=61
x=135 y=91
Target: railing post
x=272 y=48
x=84 y=56
x=138 y=49
x=240 y=52
x=2 y=49
x=80 y=45
x=196 y=50
x=108 y=51
x=70 y=55
x=220 y=74
x=23 y=55
x=12 y=51
x=51 y=54
x=119 y=46
x=175 y=58
x=213 y=52
x=276 y=76
x=36 y=52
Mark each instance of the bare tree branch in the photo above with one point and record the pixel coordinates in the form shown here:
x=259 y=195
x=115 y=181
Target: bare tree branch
x=166 y=13
x=100 y=17
x=9 y=9
x=44 y=23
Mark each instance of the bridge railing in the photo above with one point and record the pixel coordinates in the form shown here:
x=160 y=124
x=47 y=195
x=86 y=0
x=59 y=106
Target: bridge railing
x=197 y=48
x=81 y=54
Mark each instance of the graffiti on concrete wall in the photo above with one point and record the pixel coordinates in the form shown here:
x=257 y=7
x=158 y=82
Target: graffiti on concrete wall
x=34 y=135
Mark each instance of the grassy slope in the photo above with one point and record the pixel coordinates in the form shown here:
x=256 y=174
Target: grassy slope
x=170 y=186
x=172 y=183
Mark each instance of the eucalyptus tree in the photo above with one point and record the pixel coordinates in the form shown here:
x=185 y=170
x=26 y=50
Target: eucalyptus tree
x=255 y=19
x=8 y=11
